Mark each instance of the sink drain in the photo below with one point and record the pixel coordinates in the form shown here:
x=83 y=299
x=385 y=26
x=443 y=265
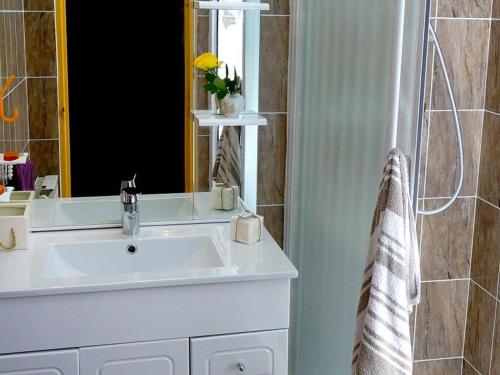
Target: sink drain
x=131 y=249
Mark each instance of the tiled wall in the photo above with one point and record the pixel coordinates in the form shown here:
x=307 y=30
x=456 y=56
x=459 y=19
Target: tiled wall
x=482 y=339
x=28 y=50
x=13 y=136
x=41 y=65
x=456 y=316
x=273 y=104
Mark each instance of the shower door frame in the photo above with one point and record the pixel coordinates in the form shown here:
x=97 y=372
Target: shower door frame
x=404 y=124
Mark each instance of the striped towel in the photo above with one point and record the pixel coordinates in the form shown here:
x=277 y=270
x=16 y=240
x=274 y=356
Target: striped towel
x=227 y=167
x=391 y=281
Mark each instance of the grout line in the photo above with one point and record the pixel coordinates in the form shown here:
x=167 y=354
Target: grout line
x=444 y=280
x=31 y=77
x=273 y=113
x=472 y=366
x=43 y=139
x=488 y=203
x=466 y=18
x=15 y=87
x=484 y=290
x=458 y=110
x=459 y=197
x=275 y=15
x=435 y=359
x=26 y=11
x=271 y=205
x=492 y=112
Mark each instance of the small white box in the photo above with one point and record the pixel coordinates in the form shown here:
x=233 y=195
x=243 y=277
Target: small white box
x=19 y=196
x=225 y=197
x=14 y=226
x=247 y=228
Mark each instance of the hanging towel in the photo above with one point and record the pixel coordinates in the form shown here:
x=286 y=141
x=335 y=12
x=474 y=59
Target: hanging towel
x=227 y=167
x=391 y=281
x=24 y=176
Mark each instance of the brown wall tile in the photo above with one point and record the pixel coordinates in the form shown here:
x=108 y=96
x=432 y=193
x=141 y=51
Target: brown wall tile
x=40 y=44
x=12 y=46
x=441 y=320
x=447 y=366
x=464 y=8
x=274 y=64
x=11 y=5
x=495 y=365
x=465 y=49
x=39 y=4
x=480 y=317
x=45 y=156
x=272 y=160
x=43 y=108
x=202 y=34
x=443 y=154
x=493 y=82
x=202 y=167
x=447 y=240
x=486 y=250
x=467 y=369
x=489 y=174
x=496 y=9
x=201 y=96
x=279 y=7
x=274 y=217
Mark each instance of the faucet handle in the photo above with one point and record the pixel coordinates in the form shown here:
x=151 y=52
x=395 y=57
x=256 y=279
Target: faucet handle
x=129 y=195
x=128 y=183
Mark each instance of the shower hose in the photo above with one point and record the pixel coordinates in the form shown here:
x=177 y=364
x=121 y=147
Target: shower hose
x=457 y=129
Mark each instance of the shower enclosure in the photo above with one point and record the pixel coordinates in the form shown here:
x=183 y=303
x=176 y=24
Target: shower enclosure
x=355 y=69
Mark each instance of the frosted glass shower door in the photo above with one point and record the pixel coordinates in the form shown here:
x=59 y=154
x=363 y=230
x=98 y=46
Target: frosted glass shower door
x=339 y=131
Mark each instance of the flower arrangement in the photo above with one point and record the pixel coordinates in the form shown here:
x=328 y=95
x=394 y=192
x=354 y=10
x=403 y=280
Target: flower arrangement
x=226 y=90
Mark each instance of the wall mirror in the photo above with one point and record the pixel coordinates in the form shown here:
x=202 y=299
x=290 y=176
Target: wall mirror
x=109 y=95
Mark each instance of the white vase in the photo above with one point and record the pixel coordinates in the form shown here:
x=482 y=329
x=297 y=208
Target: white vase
x=231 y=105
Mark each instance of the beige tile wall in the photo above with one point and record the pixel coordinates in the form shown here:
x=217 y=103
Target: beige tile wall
x=460 y=248
x=13 y=136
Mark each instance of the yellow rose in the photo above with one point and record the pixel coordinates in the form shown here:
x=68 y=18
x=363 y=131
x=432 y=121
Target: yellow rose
x=207 y=61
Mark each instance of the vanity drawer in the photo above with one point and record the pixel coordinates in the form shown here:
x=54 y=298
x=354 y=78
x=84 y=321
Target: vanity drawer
x=57 y=362
x=170 y=357
x=258 y=353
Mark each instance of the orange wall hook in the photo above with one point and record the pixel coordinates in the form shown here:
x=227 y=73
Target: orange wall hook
x=3 y=92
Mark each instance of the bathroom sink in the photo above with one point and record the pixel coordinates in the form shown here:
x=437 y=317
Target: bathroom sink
x=108 y=211
x=126 y=256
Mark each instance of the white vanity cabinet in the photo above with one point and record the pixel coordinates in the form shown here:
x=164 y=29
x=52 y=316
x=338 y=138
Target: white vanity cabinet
x=169 y=357
x=57 y=362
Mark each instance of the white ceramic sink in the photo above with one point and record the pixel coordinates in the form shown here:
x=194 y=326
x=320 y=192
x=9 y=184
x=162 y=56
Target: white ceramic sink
x=126 y=256
x=99 y=212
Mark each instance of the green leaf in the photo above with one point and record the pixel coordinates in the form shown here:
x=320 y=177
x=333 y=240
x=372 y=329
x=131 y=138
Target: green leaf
x=210 y=87
x=220 y=84
x=221 y=94
x=227 y=71
x=210 y=76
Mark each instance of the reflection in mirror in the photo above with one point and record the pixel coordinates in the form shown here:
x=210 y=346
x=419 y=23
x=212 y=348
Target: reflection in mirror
x=91 y=105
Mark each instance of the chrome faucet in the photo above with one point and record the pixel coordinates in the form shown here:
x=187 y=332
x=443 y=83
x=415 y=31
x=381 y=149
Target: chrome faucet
x=129 y=197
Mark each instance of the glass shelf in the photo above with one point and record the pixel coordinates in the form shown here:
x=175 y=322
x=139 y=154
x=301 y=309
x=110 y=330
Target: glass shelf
x=230 y=5
x=211 y=118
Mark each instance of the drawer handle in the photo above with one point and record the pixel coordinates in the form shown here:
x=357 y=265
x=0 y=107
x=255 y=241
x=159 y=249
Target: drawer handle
x=241 y=366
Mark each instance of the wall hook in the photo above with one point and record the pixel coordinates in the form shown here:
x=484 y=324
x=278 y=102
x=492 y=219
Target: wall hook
x=3 y=93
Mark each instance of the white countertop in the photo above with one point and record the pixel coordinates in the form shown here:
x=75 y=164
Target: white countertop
x=23 y=272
